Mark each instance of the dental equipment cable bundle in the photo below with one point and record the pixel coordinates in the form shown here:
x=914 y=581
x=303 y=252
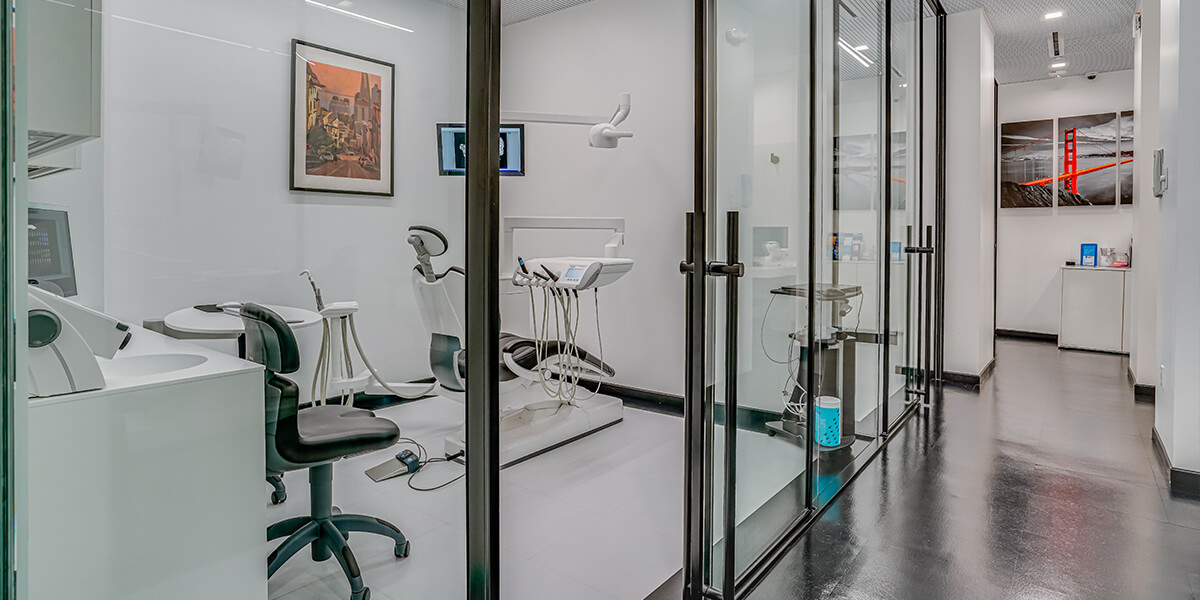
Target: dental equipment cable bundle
x=559 y=373
x=339 y=371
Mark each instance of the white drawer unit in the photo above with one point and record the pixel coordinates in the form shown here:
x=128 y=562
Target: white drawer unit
x=1093 y=312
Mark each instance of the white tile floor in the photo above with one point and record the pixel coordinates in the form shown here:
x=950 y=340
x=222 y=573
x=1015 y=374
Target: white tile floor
x=600 y=518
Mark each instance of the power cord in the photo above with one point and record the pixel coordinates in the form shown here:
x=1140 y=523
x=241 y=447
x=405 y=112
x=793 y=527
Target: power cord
x=423 y=461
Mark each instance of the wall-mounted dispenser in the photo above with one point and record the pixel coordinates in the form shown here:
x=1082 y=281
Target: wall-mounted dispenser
x=1160 y=173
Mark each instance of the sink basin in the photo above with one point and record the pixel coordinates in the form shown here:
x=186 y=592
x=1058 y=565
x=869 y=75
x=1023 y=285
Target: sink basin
x=152 y=364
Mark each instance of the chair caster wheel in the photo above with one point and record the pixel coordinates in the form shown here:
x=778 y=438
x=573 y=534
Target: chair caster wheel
x=278 y=497
x=770 y=433
x=402 y=550
x=365 y=595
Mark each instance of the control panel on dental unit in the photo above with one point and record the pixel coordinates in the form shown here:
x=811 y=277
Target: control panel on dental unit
x=570 y=272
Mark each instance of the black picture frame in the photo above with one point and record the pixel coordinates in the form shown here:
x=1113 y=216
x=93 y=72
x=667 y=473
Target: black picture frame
x=298 y=157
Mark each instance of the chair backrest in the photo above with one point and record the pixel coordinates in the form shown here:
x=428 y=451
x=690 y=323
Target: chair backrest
x=271 y=343
x=269 y=340
x=440 y=304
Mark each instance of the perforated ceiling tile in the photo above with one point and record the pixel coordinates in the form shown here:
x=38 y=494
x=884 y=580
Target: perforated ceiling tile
x=515 y=11
x=1098 y=35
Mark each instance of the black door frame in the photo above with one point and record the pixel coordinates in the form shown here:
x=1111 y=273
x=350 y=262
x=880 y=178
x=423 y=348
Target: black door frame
x=12 y=276
x=483 y=299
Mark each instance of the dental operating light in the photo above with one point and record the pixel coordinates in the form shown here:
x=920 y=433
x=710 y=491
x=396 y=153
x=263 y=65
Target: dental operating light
x=606 y=135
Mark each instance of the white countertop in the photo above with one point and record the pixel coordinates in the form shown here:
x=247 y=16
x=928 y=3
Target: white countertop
x=129 y=371
x=191 y=320
x=1079 y=268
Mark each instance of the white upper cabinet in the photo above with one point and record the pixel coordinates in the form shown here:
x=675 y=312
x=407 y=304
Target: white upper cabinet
x=64 y=73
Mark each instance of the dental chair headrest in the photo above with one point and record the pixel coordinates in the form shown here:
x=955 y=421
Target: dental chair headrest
x=431 y=239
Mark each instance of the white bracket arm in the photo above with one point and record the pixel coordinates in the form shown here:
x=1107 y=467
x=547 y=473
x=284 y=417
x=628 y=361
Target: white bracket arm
x=604 y=133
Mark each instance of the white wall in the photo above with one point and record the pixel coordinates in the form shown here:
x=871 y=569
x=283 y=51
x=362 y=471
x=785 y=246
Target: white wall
x=1144 y=291
x=1034 y=242
x=196 y=143
x=970 y=190
x=1177 y=409
x=572 y=62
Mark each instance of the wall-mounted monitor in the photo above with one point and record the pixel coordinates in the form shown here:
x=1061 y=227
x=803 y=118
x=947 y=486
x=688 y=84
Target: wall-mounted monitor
x=452 y=149
x=51 y=262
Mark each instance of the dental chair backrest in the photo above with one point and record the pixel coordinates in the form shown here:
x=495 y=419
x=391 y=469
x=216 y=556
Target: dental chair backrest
x=440 y=298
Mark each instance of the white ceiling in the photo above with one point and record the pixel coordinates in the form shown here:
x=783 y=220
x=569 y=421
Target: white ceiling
x=515 y=11
x=1098 y=35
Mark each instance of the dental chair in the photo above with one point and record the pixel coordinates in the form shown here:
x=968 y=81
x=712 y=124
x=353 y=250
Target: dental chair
x=531 y=422
x=313 y=438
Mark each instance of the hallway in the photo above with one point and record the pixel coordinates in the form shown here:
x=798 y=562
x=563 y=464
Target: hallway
x=1044 y=485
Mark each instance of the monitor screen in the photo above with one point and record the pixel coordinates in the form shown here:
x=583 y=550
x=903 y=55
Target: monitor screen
x=452 y=149
x=50 y=258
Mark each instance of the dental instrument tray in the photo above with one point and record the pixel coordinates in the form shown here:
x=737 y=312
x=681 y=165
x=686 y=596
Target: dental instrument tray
x=825 y=292
x=571 y=272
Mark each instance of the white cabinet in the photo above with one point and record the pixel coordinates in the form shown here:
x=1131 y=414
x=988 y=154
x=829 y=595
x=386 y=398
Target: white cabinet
x=63 y=86
x=1093 y=312
x=151 y=488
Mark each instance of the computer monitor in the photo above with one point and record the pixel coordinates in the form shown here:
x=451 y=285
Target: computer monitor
x=452 y=149
x=50 y=258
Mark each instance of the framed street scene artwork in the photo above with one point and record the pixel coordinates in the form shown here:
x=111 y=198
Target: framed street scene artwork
x=342 y=122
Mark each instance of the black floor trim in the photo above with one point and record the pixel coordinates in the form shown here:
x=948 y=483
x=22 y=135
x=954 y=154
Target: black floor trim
x=667 y=404
x=1182 y=482
x=968 y=380
x=1051 y=338
x=1143 y=393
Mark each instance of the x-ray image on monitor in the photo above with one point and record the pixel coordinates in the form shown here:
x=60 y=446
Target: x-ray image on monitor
x=51 y=262
x=452 y=149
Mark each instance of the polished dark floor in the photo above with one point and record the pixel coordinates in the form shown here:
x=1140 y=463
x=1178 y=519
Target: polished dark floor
x=1043 y=484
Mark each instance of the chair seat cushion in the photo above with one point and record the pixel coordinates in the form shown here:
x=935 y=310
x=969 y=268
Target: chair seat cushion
x=330 y=432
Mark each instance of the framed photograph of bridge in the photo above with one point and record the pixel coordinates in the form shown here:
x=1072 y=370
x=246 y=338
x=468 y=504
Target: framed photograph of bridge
x=1027 y=164
x=1125 y=177
x=342 y=130
x=1088 y=148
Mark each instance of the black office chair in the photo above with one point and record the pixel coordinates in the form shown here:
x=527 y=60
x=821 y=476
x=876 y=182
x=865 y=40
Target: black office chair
x=313 y=439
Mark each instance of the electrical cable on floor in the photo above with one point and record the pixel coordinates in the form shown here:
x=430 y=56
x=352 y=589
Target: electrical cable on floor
x=423 y=461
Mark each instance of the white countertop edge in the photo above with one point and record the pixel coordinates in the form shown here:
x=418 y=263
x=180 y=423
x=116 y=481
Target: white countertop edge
x=145 y=342
x=131 y=384
x=1079 y=268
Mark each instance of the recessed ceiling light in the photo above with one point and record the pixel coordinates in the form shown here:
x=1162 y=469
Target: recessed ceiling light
x=856 y=54
x=1054 y=15
x=862 y=47
x=1058 y=65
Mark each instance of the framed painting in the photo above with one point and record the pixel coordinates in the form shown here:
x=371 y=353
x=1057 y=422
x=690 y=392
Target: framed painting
x=1027 y=164
x=342 y=122
x=1126 y=169
x=1088 y=160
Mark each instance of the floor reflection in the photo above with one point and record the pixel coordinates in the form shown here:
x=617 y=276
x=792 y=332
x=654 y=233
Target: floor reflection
x=1041 y=484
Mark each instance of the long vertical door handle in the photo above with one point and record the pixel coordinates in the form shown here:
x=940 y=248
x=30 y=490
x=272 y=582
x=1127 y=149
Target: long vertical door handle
x=732 y=270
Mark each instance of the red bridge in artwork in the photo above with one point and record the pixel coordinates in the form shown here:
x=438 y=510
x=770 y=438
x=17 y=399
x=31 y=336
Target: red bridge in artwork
x=1071 y=172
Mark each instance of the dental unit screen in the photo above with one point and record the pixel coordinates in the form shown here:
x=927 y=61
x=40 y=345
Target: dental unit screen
x=50 y=257
x=452 y=149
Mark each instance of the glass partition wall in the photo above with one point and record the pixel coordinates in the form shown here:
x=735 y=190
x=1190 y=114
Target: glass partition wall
x=206 y=176
x=262 y=254
x=806 y=267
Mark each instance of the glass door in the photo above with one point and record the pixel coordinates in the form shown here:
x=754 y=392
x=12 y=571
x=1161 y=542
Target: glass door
x=751 y=456
x=807 y=254
x=908 y=269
